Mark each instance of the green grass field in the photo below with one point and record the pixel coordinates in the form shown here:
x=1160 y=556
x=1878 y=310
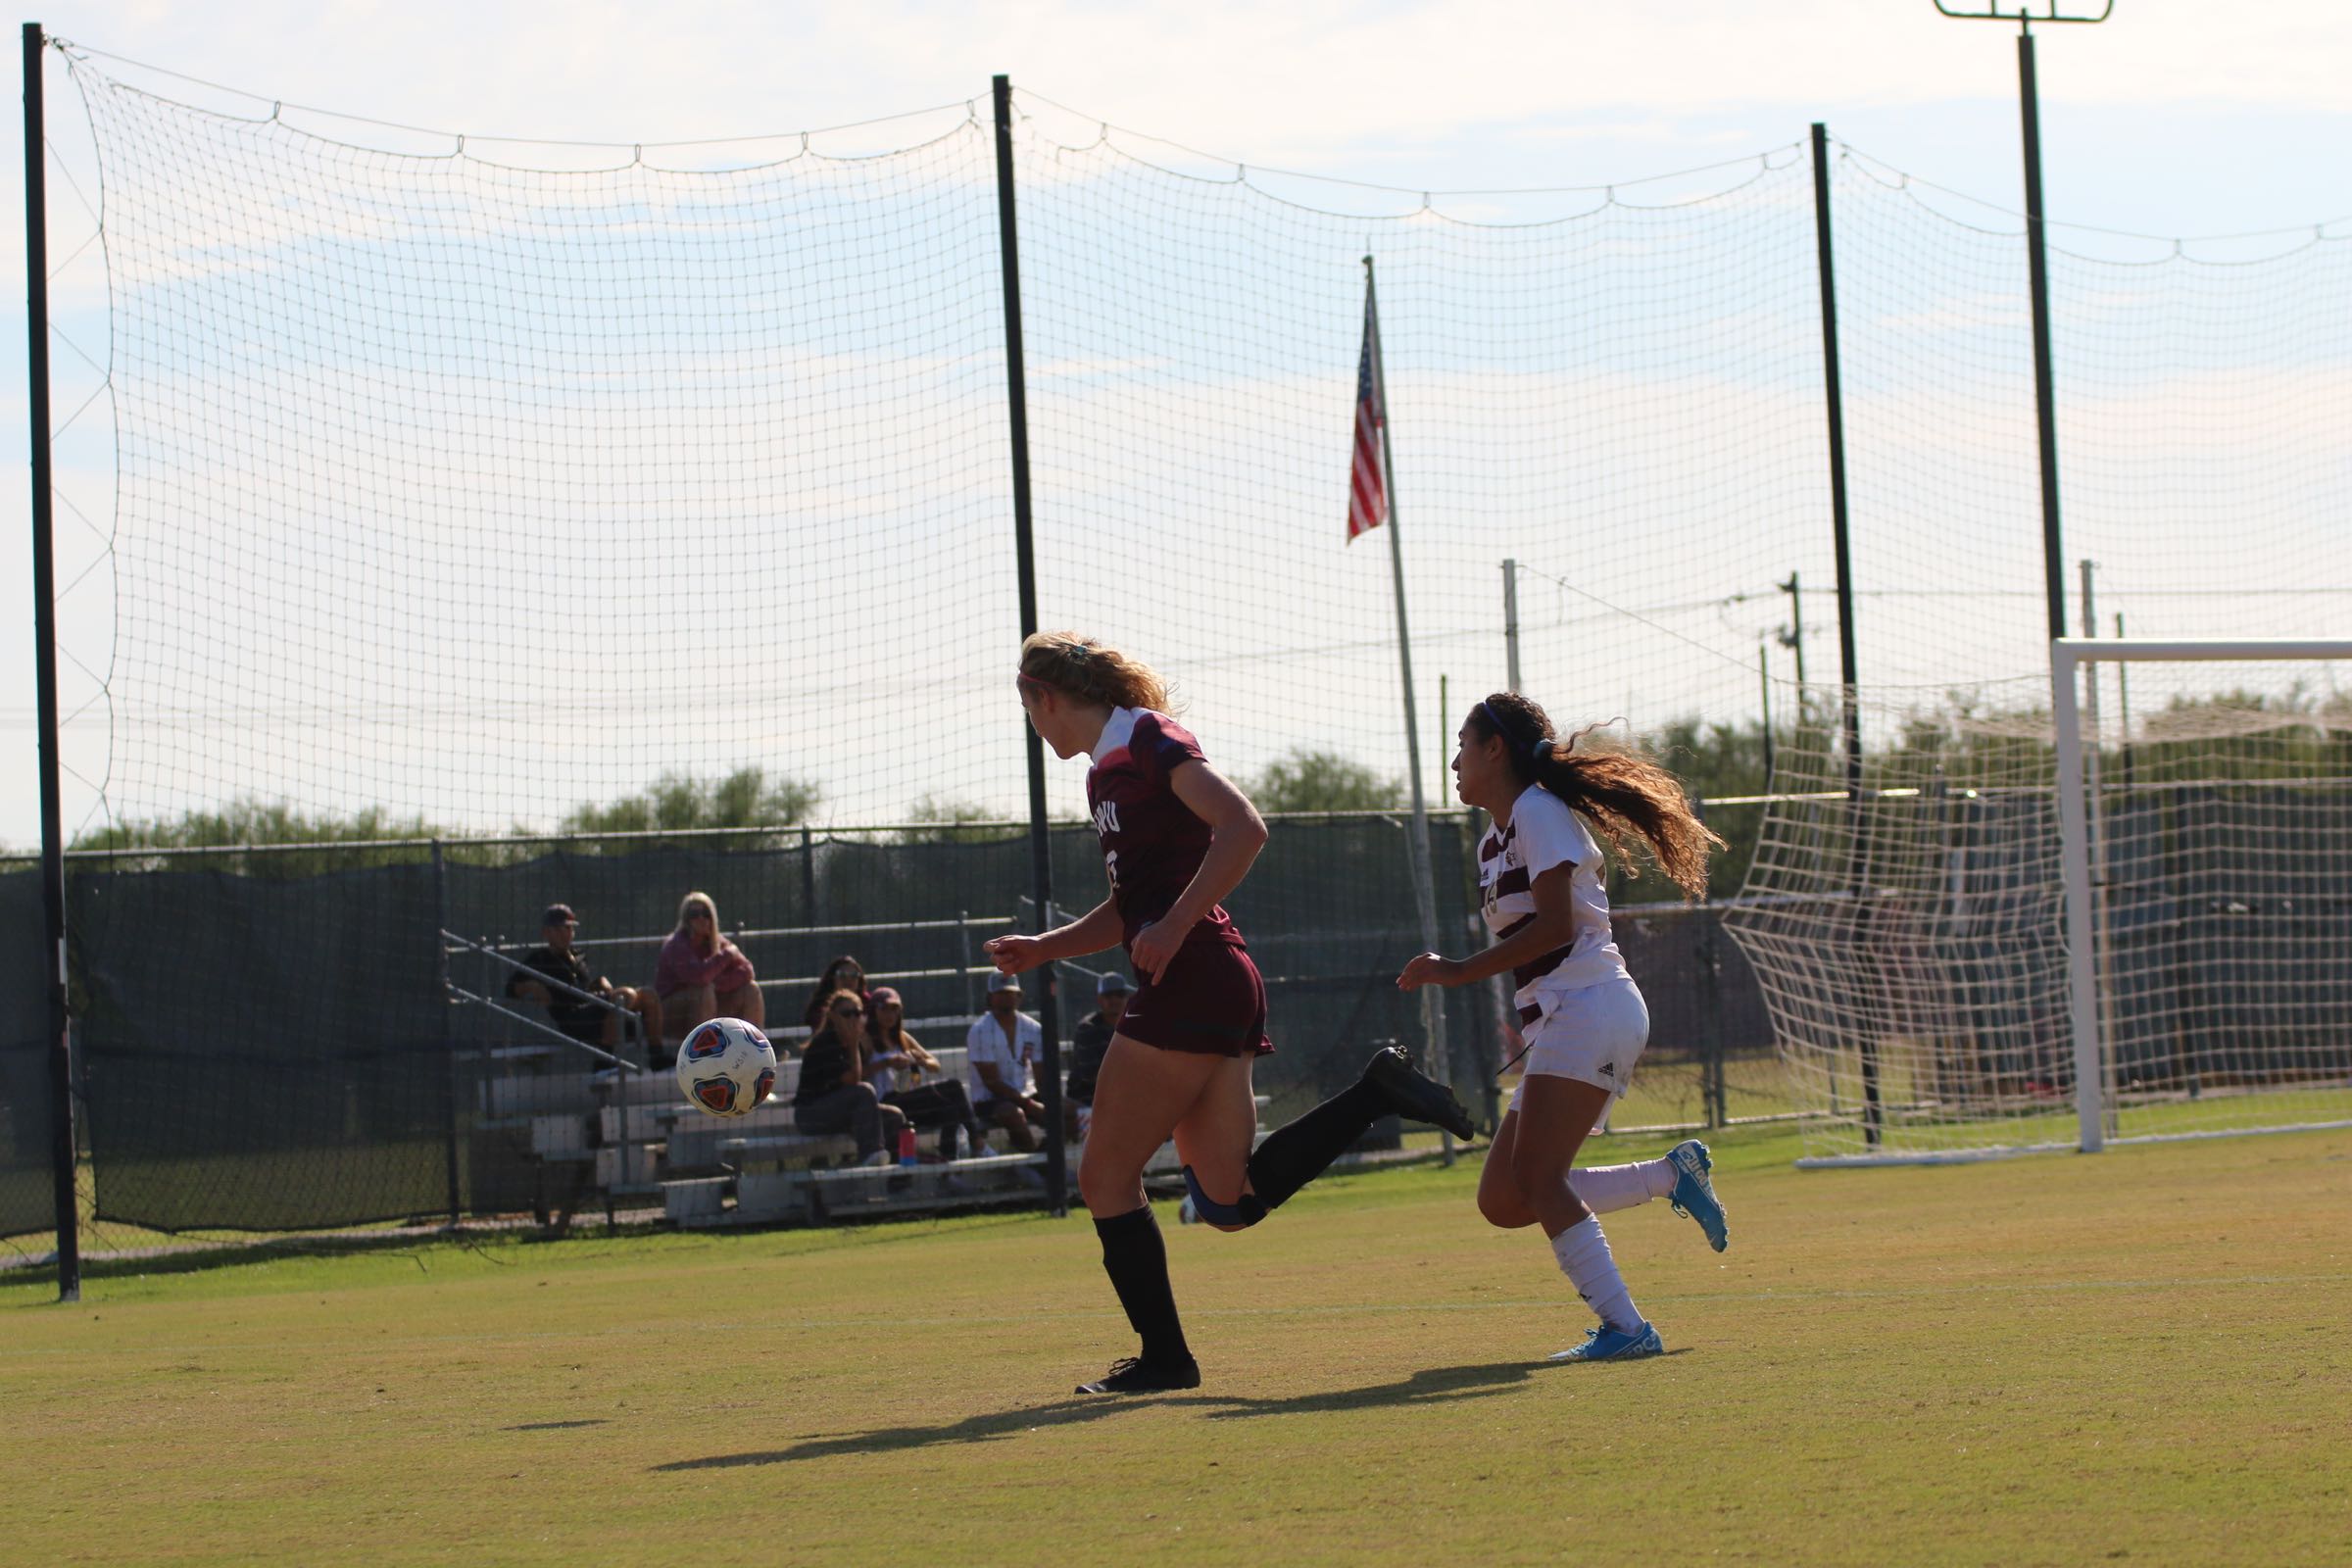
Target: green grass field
x=2138 y=1357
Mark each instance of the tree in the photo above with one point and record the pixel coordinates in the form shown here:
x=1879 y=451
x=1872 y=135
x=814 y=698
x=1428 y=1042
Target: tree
x=1713 y=760
x=258 y=822
x=944 y=821
x=684 y=802
x=1304 y=780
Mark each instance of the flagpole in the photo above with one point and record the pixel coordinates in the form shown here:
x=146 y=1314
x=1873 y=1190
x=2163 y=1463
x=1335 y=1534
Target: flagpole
x=1425 y=901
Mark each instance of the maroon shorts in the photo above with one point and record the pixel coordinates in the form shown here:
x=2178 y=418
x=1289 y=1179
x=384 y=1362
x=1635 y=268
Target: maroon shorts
x=1208 y=999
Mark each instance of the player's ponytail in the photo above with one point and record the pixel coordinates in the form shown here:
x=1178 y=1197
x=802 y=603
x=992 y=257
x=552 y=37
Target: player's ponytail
x=1092 y=672
x=1626 y=797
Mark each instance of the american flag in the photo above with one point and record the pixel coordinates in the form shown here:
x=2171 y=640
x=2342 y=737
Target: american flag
x=1368 y=486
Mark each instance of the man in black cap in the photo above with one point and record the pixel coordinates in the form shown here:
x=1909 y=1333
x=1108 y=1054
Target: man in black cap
x=583 y=1020
x=1088 y=1045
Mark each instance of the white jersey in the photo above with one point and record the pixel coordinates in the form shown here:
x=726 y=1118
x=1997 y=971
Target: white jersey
x=1544 y=833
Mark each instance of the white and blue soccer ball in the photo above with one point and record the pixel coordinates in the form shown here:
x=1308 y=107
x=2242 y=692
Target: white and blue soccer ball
x=726 y=1067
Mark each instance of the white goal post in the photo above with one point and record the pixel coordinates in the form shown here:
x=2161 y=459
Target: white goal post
x=2076 y=780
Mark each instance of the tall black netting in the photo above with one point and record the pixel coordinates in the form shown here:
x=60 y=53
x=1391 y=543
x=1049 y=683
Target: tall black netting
x=454 y=499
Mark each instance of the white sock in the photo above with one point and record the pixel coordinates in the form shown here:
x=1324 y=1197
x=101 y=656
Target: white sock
x=1584 y=1254
x=1605 y=1189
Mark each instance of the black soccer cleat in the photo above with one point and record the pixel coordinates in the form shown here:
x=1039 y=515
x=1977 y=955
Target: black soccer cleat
x=1133 y=1375
x=1416 y=1095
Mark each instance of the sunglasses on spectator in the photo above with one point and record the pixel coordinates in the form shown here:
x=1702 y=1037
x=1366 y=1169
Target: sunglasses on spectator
x=847 y=1013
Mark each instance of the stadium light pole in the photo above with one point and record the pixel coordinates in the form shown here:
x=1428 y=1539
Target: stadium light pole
x=44 y=638
x=1040 y=842
x=2053 y=563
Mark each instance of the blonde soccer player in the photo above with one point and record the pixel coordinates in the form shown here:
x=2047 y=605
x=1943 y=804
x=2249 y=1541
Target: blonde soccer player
x=1177 y=838
x=1540 y=875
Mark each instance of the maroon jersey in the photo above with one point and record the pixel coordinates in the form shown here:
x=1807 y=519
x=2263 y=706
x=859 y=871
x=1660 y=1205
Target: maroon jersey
x=1153 y=843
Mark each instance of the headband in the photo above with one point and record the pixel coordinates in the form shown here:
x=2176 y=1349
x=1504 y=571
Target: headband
x=1540 y=752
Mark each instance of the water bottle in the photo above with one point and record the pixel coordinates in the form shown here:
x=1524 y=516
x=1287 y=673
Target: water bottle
x=907 y=1144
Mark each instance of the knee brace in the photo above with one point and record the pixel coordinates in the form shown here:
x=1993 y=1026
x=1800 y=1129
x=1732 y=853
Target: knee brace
x=1247 y=1211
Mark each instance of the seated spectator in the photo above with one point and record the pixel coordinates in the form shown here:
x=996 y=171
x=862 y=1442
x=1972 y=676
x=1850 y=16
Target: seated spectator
x=892 y=1053
x=1088 y=1045
x=843 y=973
x=559 y=960
x=833 y=1097
x=1002 y=1050
x=700 y=975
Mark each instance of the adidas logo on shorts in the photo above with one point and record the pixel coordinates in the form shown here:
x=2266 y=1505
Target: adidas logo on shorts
x=1608 y=1069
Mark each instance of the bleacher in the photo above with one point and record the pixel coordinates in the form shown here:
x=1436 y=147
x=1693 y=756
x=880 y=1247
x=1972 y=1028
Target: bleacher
x=611 y=1135
x=609 y=1138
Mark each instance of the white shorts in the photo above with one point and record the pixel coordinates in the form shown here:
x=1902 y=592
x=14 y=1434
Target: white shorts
x=1594 y=1035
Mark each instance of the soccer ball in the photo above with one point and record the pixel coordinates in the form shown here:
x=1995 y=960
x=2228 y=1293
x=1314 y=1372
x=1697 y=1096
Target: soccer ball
x=726 y=1067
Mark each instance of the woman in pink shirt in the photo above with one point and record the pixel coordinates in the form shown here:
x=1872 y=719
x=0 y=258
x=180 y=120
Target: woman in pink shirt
x=700 y=975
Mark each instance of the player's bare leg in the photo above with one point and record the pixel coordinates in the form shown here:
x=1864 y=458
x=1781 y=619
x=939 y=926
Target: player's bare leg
x=1500 y=1199
x=1214 y=1136
x=1141 y=1094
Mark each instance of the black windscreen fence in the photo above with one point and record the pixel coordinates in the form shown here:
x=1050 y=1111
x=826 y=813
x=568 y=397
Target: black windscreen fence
x=27 y=1186
x=273 y=1048
x=261 y=1054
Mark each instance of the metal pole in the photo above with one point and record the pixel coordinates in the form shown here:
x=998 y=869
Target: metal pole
x=2095 y=826
x=2090 y=705
x=2038 y=276
x=44 y=639
x=449 y=1039
x=1425 y=899
x=1510 y=620
x=1794 y=638
x=1444 y=716
x=2074 y=867
x=2123 y=698
x=1040 y=845
x=1849 y=716
x=1764 y=685
x=808 y=877
x=1840 y=531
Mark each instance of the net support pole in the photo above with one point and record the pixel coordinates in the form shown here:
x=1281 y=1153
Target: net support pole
x=2073 y=851
x=1041 y=843
x=44 y=638
x=1425 y=892
x=449 y=1043
x=1849 y=716
x=2037 y=265
x=1510 y=622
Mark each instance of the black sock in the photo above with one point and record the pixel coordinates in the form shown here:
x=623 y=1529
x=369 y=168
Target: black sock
x=1295 y=1152
x=1137 y=1261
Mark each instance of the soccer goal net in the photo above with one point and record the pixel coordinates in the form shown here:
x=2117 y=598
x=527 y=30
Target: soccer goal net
x=2037 y=915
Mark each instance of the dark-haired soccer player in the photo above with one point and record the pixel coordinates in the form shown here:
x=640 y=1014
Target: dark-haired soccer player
x=1584 y=1018
x=1177 y=838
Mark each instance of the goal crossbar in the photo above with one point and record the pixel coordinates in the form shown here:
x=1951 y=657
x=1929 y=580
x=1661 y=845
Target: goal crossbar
x=2068 y=656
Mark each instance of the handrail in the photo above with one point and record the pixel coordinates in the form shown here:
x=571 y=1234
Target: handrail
x=545 y=1028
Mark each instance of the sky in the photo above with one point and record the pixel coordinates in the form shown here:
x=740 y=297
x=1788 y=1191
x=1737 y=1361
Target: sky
x=2166 y=121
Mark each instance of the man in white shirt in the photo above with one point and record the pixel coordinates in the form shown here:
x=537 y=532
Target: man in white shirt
x=1002 y=1050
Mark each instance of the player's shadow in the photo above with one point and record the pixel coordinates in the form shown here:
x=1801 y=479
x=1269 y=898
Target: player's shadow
x=1429 y=1386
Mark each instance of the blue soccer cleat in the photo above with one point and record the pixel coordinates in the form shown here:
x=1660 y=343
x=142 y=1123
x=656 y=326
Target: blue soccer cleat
x=1605 y=1343
x=1694 y=1194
